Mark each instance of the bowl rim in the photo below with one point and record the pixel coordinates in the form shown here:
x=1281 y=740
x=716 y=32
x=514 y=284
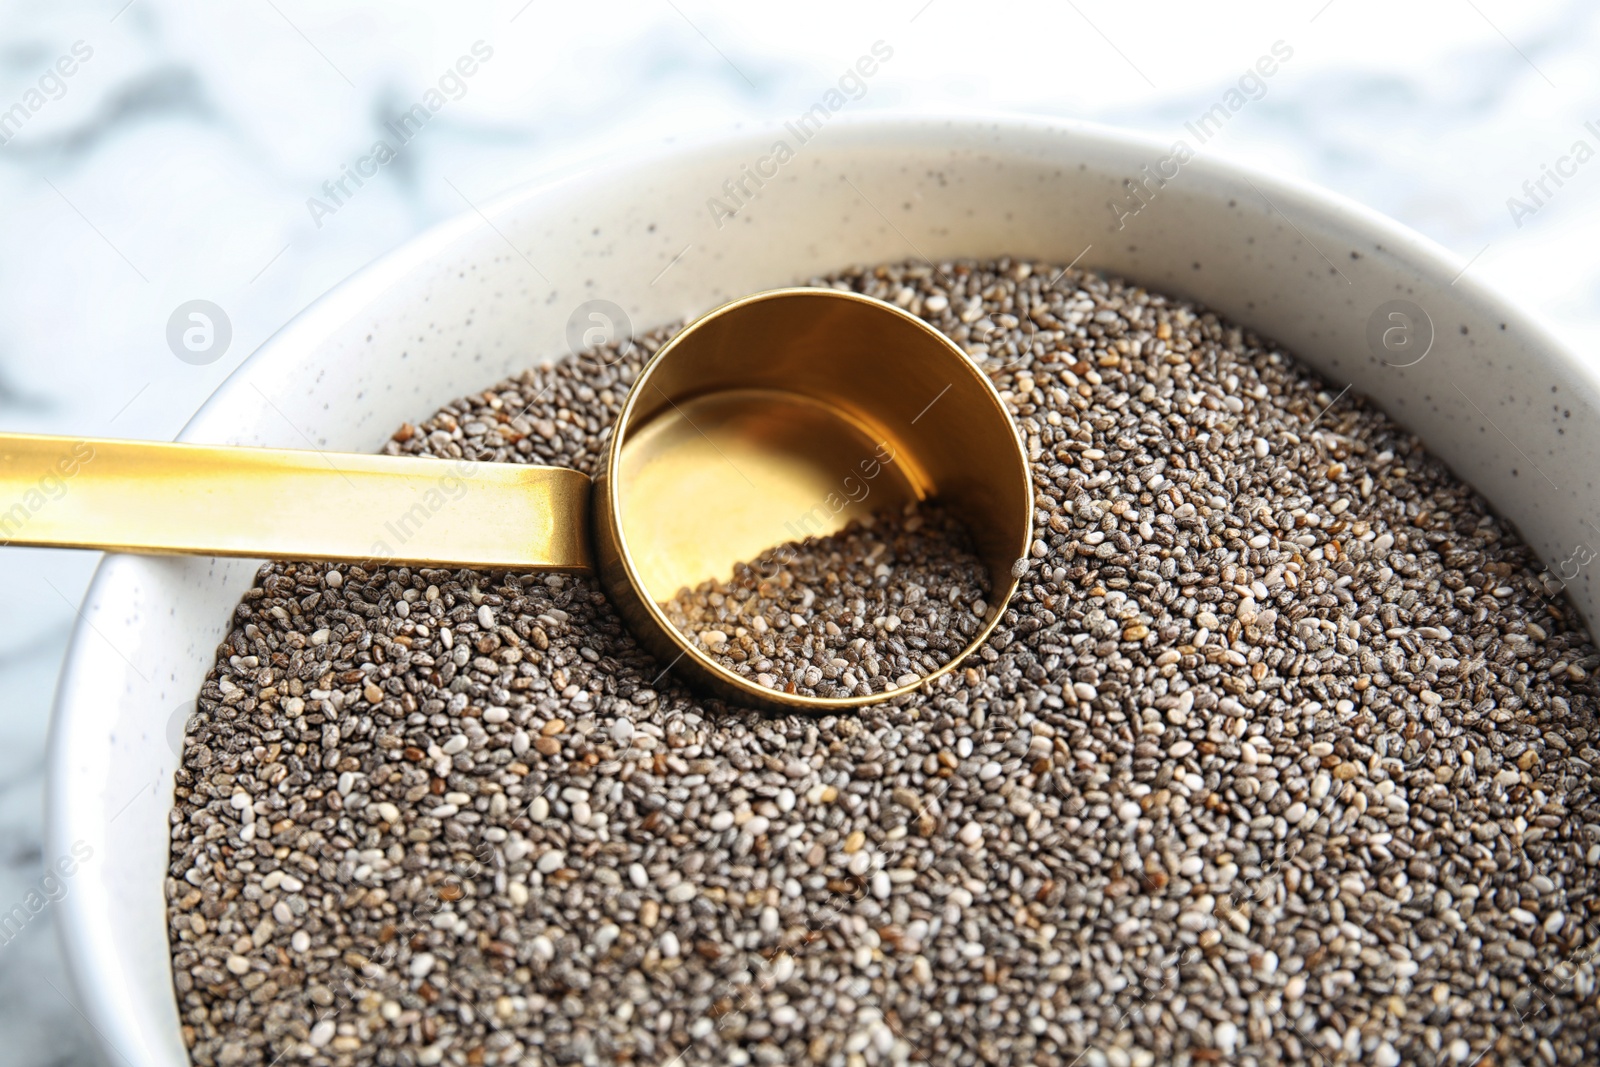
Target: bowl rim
x=80 y=921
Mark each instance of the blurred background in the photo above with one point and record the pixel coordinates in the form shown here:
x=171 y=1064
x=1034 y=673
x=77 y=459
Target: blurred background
x=175 y=162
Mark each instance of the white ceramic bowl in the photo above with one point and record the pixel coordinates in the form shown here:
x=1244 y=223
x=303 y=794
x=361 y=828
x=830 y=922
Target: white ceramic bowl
x=459 y=308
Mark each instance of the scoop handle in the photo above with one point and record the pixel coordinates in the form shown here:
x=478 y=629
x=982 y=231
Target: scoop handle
x=205 y=500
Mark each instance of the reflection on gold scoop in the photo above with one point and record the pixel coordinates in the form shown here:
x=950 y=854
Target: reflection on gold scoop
x=777 y=466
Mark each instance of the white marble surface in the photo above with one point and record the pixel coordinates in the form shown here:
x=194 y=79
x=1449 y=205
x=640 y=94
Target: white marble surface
x=177 y=163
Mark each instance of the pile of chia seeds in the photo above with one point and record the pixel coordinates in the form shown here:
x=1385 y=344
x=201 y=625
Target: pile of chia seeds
x=877 y=605
x=1281 y=753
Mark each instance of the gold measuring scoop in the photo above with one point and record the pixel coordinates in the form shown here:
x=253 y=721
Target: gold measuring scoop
x=772 y=418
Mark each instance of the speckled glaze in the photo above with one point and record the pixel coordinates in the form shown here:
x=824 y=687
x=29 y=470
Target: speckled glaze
x=451 y=312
